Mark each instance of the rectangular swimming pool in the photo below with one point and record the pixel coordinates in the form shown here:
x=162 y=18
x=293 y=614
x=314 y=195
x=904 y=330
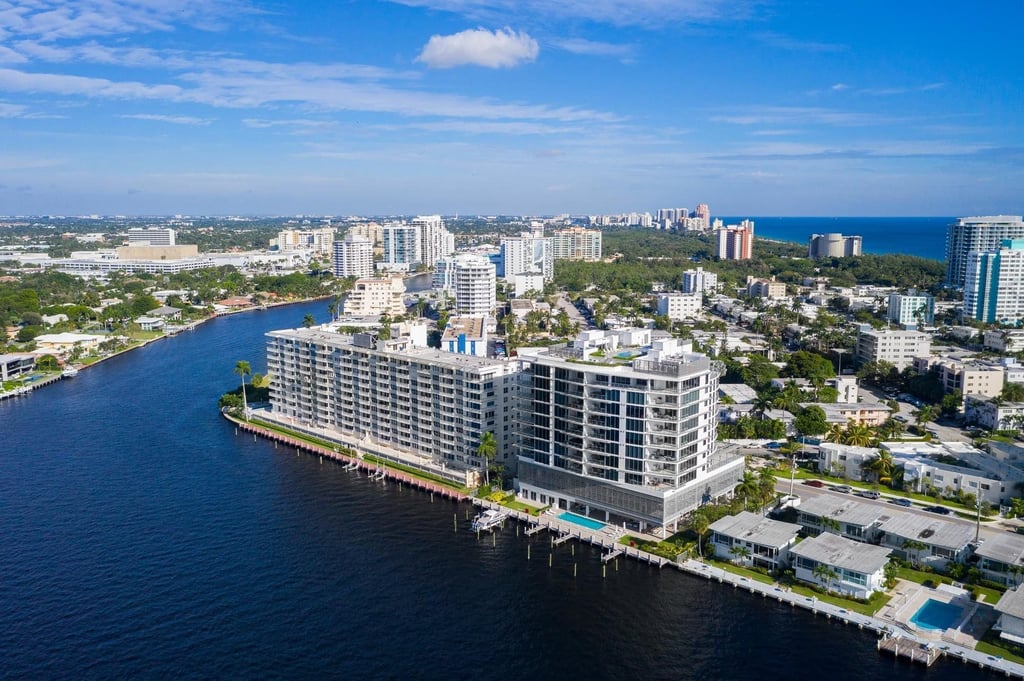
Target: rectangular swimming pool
x=581 y=520
x=936 y=615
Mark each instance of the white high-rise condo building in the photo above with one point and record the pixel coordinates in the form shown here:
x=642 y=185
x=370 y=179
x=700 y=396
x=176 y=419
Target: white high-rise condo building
x=395 y=395
x=151 y=236
x=353 y=256
x=320 y=241
x=402 y=249
x=994 y=287
x=977 y=234
x=435 y=240
x=911 y=309
x=576 y=243
x=473 y=282
x=623 y=441
x=527 y=254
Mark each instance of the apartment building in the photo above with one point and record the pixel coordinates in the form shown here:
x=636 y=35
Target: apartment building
x=834 y=245
x=679 y=306
x=375 y=297
x=994 y=283
x=735 y=242
x=765 y=288
x=911 y=309
x=353 y=256
x=576 y=243
x=699 y=281
x=970 y=377
x=897 y=347
x=622 y=429
x=394 y=393
x=977 y=234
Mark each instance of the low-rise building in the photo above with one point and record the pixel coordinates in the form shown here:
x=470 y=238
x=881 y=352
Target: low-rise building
x=699 y=281
x=868 y=413
x=1011 y=616
x=911 y=309
x=970 y=377
x=897 y=347
x=929 y=541
x=850 y=567
x=147 y=323
x=843 y=516
x=15 y=364
x=994 y=414
x=679 y=306
x=60 y=343
x=465 y=336
x=753 y=540
x=373 y=297
x=765 y=288
x=845 y=460
x=1001 y=559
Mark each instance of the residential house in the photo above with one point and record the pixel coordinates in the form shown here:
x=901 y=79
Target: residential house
x=1002 y=559
x=753 y=540
x=850 y=567
x=925 y=540
x=833 y=514
x=1011 y=616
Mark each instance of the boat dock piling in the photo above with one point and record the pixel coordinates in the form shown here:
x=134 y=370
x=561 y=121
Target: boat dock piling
x=910 y=649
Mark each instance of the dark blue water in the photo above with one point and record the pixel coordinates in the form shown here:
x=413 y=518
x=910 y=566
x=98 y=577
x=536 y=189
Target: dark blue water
x=923 y=237
x=140 y=537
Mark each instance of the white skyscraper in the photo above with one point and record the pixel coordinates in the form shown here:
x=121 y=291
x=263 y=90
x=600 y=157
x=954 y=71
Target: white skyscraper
x=527 y=254
x=473 y=283
x=994 y=288
x=977 y=234
x=402 y=250
x=353 y=256
x=435 y=240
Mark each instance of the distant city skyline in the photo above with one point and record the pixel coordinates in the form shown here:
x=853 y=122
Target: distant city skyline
x=495 y=107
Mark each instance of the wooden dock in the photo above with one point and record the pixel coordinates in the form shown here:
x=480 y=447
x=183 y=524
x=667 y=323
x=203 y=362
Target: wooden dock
x=915 y=651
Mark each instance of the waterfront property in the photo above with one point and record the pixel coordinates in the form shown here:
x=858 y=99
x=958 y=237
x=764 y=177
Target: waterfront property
x=751 y=539
x=16 y=364
x=1002 y=559
x=842 y=565
x=853 y=519
x=624 y=428
x=927 y=540
x=1011 y=616
x=395 y=393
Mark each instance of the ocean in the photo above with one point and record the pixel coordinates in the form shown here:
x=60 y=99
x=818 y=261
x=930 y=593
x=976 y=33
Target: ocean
x=141 y=537
x=923 y=237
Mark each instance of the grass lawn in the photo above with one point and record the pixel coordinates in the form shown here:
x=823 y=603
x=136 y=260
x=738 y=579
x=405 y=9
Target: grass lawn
x=665 y=549
x=992 y=596
x=870 y=608
x=991 y=644
x=739 y=570
x=516 y=505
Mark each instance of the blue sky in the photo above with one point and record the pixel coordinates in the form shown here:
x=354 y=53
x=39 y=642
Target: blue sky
x=346 y=107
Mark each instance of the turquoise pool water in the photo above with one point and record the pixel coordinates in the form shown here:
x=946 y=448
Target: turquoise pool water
x=581 y=520
x=936 y=615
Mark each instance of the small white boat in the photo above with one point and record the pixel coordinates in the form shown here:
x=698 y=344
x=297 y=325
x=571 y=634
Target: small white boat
x=69 y=372
x=488 y=520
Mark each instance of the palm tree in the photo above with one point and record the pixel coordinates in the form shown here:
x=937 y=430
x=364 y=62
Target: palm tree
x=835 y=433
x=700 y=524
x=882 y=466
x=762 y=403
x=912 y=547
x=748 y=488
x=487 y=450
x=924 y=415
x=857 y=435
x=739 y=552
x=243 y=369
x=766 y=486
x=308 y=321
x=823 y=573
x=830 y=524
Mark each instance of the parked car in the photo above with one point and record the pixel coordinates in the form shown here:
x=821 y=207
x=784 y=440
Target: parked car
x=941 y=510
x=845 y=489
x=869 y=494
x=901 y=502
x=813 y=483
x=774 y=445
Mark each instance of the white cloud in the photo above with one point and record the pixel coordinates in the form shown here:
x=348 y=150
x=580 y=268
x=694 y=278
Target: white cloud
x=177 y=120
x=500 y=49
x=11 y=110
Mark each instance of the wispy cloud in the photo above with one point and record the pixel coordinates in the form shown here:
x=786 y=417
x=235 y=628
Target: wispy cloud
x=785 y=42
x=789 y=115
x=595 y=48
x=650 y=14
x=479 y=47
x=162 y=118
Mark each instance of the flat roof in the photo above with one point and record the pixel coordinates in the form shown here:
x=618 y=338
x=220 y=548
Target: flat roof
x=740 y=393
x=844 y=510
x=757 y=529
x=934 y=531
x=836 y=551
x=1004 y=548
x=1012 y=603
x=432 y=356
